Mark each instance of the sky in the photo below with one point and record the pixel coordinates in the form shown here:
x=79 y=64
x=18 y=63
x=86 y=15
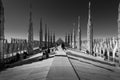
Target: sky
x=60 y=15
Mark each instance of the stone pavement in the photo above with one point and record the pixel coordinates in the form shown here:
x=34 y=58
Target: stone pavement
x=33 y=71
x=61 y=69
x=91 y=70
x=90 y=57
x=57 y=68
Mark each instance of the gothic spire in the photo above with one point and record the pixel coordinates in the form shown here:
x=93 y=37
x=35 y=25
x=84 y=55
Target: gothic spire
x=79 y=34
x=2 y=20
x=54 y=37
x=46 y=35
x=51 y=39
x=1 y=32
x=41 y=32
x=90 y=31
x=74 y=38
x=30 y=32
x=48 y=38
x=30 y=25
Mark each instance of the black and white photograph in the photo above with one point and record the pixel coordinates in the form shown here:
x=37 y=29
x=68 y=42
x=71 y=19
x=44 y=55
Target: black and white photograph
x=59 y=39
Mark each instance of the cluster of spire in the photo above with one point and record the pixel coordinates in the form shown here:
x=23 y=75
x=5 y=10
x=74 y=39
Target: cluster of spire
x=70 y=38
x=77 y=43
x=48 y=39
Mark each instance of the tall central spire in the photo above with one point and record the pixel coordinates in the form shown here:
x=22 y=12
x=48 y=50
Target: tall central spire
x=90 y=32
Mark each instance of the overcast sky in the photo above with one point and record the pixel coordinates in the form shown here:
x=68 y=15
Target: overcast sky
x=60 y=16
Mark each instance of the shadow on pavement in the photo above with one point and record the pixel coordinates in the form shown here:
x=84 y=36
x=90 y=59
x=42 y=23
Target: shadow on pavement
x=24 y=62
x=110 y=64
x=91 y=64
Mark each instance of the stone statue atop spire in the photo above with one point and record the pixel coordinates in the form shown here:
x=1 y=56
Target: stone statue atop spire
x=90 y=32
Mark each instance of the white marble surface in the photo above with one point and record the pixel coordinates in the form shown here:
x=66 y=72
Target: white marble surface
x=34 y=71
x=61 y=68
x=90 y=70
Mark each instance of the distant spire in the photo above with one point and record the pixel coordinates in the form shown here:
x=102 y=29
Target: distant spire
x=46 y=35
x=68 y=38
x=41 y=32
x=79 y=34
x=71 y=39
x=78 y=24
x=51 y=38
x=48 y=38
x=74 y=38
x=65 y=37
x=54 y=37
